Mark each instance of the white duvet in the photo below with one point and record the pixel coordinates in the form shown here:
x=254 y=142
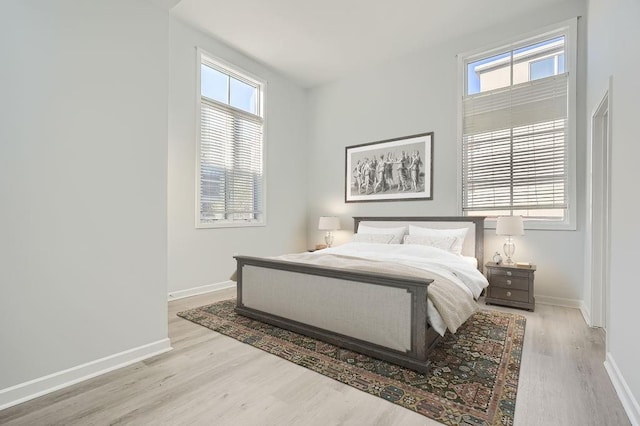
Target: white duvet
x=448 y=265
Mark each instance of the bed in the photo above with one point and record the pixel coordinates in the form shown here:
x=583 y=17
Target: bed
x=374 y=298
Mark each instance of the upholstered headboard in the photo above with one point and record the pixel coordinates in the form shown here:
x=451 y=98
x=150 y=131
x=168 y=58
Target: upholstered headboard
x=473 y=243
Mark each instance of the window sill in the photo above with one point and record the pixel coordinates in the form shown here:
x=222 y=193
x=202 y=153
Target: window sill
x=537 y=225
x=230 y=225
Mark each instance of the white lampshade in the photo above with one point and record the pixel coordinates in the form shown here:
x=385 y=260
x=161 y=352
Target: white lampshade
x=328 y=223
x=510 y=225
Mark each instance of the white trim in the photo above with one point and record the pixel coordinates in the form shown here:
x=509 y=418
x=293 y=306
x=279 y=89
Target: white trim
x=198 y=108
x=599 y=206
x=181 y=294
x=559 y=301
x=543 y=225
x=566 y=303
x=238 y=224
x=586 y=314
x=43 y=385
x=462 y=84
x=571 y=59
x=265 y=169
x=629 y=403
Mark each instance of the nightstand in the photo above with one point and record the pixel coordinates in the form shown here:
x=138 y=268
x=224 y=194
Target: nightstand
x=510 y=285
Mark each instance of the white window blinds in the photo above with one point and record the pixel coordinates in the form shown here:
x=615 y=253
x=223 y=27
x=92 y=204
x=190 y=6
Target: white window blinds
x=231 y=179
x=230 y=164
x=515 y=148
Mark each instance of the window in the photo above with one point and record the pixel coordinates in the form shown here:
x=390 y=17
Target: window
x=517 y=130
x=230 y=189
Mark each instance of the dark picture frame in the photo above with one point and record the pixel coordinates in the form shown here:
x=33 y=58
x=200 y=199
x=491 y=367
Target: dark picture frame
x=399 y=169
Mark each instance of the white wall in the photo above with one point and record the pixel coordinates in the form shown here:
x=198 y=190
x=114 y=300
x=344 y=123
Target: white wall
x=417 y=93
x=613 y=51
x=83 y=130
x=201 y=257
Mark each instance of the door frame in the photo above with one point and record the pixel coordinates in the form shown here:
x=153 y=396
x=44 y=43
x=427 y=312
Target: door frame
x=599 y=211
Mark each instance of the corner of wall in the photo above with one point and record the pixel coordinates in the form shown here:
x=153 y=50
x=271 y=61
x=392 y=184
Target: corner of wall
x=628 y=400
x=586 y=313
x=181 y=294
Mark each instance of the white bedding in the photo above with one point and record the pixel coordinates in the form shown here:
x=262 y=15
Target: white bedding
x=456 y=268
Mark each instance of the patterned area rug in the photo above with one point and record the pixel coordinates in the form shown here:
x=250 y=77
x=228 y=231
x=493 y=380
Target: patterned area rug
x=472 y=380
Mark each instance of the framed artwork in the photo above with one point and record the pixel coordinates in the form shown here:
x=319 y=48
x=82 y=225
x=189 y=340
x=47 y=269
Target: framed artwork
x=390 y=170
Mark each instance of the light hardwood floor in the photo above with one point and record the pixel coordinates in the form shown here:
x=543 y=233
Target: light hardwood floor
x=211 y=379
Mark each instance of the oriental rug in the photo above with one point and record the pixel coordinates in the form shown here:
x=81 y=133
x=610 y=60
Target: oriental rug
x=472 y=379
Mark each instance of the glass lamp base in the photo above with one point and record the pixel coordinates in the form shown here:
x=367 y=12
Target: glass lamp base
x=328 y=238
x=509 y=249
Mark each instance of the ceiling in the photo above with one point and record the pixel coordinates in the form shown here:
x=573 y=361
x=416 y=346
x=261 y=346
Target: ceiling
x=314 y=42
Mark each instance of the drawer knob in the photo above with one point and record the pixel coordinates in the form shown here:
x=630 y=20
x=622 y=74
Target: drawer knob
x=508 y=273
x=508 y=294
x=508 y=282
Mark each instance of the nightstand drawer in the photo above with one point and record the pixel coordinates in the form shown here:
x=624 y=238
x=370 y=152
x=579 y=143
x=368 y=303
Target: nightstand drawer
x=506 y=294
x=509 y=272
x=510 y=283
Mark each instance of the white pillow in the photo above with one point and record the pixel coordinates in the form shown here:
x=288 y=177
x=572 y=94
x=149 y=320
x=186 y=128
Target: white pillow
x=372 y=238
x=398 y=233
x=437 y=241
x=459 y=234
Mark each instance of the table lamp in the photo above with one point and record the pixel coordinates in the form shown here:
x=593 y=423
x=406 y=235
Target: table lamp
x=329 y=224
x=509 y=226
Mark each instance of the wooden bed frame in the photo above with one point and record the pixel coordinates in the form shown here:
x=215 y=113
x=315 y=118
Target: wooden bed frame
x=423 y=338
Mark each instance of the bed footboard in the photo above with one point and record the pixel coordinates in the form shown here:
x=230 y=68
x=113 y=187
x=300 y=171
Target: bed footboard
x=384 y=316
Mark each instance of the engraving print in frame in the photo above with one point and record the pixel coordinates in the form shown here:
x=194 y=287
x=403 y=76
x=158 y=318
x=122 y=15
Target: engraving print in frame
x=397 y=169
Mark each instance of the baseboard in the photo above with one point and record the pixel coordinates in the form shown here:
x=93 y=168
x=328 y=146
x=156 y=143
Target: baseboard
x=559 y=301
x=567 y=303
x=26 y=391
x=586 y=313
x=629 y=402
x=180 y=294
